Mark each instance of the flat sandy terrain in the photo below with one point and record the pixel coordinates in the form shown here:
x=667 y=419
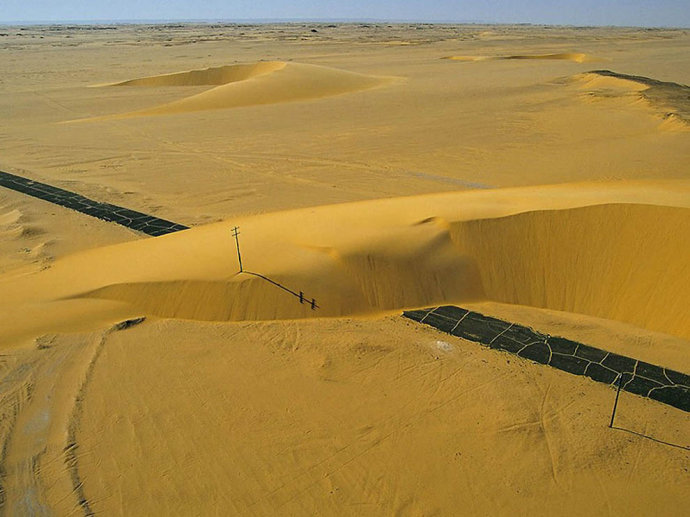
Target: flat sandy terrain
x=536 y=174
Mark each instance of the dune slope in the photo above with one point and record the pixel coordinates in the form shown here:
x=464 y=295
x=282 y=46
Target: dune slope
x=210 y=76
x=576 y=57
x=586 y=249
x=621 y=262
x=670 y=100
x=269 y=82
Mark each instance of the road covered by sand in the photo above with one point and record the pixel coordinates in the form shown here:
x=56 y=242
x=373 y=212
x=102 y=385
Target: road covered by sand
x=536 y=174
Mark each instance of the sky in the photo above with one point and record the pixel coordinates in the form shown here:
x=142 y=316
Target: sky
x=646 y=13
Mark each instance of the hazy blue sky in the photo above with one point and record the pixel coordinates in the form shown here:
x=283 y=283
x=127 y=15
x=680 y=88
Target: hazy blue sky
x=571 y=12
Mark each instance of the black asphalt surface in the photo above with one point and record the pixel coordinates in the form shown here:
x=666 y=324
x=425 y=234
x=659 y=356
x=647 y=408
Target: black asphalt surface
x=644 y=379
x=138 y=221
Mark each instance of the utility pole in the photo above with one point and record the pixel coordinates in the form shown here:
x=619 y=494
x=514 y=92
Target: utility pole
x=236 y=233
x=302 y=299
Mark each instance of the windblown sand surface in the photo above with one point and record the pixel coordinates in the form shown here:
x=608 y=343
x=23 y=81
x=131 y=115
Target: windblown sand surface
x=538 y=175
x=576 y=57
x=249 y=85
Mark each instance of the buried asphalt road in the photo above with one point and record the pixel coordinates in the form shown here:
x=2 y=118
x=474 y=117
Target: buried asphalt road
x=138 y=221
x=648 y=380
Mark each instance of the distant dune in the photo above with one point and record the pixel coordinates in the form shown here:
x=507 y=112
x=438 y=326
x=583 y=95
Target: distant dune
x=576 y=57
x=670 y=100
x=269 y=82
x=210 y=76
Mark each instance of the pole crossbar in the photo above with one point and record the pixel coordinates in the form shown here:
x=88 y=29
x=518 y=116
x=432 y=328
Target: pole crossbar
x=236 y=234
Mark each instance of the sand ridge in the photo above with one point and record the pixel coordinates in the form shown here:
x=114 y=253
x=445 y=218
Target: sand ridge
x=473 y=261
x=671 y=100
x=380 y=262
x=250 y=85
x=210 y=76
x=575 y=57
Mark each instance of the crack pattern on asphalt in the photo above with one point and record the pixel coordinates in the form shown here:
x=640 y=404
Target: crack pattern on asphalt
x=138 y=221
x=645 y=379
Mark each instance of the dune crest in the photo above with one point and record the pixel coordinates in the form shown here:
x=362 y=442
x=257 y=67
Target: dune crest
x=10 y=218
x=670 y=101
x=470 y=58
x=589 y=249
x=270 y=82
x=586 y=261
x=576 y=57
x=210 y=76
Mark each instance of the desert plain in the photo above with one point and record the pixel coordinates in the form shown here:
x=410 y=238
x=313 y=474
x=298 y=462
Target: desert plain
x=536 y=174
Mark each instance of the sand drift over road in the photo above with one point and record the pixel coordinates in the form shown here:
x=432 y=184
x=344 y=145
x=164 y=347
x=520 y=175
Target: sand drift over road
x=589 y=249
x=269 y=82
x=672 y=100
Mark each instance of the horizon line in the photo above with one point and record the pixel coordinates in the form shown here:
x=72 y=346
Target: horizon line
x=262 y=21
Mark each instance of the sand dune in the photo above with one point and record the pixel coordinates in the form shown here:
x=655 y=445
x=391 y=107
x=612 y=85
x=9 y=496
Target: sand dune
x=249 y=85
x=31 y=235
x=586 y=261
x=669 y=100
x=571 y=56
x=576 y=57
x=210 y=76
x=471 y=58
x=348 y=409
x=28 y=240
x=596 y=250
x=11 y=225
x=10 y=218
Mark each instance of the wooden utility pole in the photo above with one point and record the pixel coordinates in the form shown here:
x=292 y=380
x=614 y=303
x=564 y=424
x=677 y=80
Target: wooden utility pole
x=236 y=233
x=300 y=295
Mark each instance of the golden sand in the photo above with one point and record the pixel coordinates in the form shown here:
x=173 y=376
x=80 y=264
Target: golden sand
x=249 y=85
x=576 y=57
x=363 y=168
